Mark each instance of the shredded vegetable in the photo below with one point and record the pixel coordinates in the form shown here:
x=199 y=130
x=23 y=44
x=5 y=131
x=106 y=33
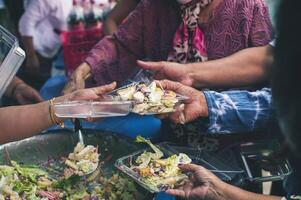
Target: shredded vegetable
x=83 y=161
x=149 y=98
x=159 y=172
x=31 y=182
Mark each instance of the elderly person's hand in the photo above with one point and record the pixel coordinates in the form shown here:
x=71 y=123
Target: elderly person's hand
x=78 y=78
x=168 y=70
x=202 y=184
x=25 y=94
x=193 y=108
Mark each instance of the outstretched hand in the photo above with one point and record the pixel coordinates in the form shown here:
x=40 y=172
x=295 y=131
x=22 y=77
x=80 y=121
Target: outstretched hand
x=202 y=184
x=192 y=108
x=168 y=70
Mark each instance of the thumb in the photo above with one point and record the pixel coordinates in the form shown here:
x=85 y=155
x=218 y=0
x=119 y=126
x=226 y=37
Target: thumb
x=190 y=168
x=154 y=66
x=104 y=89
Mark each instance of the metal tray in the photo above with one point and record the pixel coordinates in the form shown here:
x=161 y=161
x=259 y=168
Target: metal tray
x=39 y=149
x=259 y=167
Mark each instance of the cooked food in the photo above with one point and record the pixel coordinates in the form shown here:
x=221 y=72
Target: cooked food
x=149 y=98
x=20 y=182
x=83 y=160
x=158 y=172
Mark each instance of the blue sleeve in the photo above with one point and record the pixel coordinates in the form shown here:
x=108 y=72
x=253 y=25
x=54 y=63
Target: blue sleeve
x=239 y=111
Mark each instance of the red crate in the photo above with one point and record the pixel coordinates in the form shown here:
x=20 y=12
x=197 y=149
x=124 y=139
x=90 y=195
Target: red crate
x=76 y=45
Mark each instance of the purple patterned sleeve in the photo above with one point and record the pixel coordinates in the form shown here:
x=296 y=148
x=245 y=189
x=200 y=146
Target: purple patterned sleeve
x=261 y=32
x=114 y=57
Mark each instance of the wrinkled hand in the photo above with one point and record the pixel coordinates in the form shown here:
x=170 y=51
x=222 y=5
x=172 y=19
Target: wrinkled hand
x=202 y=184
x=77 y=79
x=88 y=94
x=193 y=108
x=25 y=94
x=168 y=70
x=33 y=65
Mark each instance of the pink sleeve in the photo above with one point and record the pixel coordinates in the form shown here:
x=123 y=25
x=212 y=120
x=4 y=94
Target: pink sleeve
x=114 y=57
x=261 y=32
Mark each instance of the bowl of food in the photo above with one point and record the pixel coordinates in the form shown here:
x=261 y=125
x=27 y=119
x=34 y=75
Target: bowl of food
x=35 y=168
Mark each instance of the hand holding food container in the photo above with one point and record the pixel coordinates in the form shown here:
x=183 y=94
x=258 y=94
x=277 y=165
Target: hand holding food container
x=193 y=106
x=139 y=95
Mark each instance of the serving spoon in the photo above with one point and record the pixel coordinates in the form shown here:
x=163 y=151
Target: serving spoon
x=78 y=129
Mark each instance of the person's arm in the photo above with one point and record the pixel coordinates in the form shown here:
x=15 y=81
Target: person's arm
x=18 y=122
x=244 y=68
x=239 y=111
x=230 y=192
x=12 y=86
x=36 y=11
x=22 y=93
x=118 y=14
x=114 y=57
x=229 y=112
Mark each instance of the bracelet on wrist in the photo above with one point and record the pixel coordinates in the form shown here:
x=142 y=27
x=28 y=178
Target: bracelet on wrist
x=53 y=117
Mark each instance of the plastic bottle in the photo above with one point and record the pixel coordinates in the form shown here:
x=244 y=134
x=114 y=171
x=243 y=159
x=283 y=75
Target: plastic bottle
x=90 y=16
x=76 y=17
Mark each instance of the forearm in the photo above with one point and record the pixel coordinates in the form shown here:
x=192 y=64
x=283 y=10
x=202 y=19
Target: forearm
x=229 y=192
x=29 y=46
x=244 y=68
x=239 y=111
x=18 y=122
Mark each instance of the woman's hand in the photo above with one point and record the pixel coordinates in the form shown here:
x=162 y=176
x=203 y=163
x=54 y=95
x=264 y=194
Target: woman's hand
x=77 y=79
x=25 y=94
x=168 y=70
x=88 y=94
x=202 y=184
x=193 y=108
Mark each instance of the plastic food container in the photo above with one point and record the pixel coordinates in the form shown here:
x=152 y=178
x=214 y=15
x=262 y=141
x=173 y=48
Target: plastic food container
x=259 y=167
x=92 y=109
x=11 y=58
x=152 y=110
x=206 y=159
